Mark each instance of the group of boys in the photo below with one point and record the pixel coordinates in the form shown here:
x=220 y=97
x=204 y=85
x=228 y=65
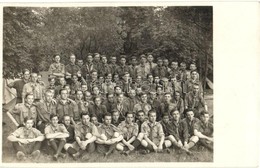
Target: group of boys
x=104 y=107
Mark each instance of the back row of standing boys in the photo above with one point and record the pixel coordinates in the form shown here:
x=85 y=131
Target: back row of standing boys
x=104 y=106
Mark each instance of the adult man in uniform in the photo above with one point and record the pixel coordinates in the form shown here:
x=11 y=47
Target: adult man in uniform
x=18 y=85
x=57 y=69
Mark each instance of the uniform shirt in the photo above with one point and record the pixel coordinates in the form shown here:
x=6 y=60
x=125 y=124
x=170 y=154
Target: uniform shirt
x=82 y=108
x=174 y=72
x=34 y=88
x=191 y=125
x=139 y=123
x=179 y=104
x=132 y=102
x=72 y=69
x=108 y=130
x=97 y=111
x=122 y=69
x=44 y=110
x=178 y=129
x=25 y=110
x=67 y=107
x=165 y=127
x=154 y=131
x=142 y=70
x=50 y=129
x=57 y=68
x=71 y=131
x=109 y=105
x=166 y=108
x=160 y=71
x=18 y=85
x=194 y=101
x=122 y=108
x=86 y=70
x=189 y=85
x=82 y=130
x=155 y=103
x=113 y=68
x=104 y=69
x=25 y=133
x=205 y=128
x=128 y=130
x=183 y=75
x=116 y=123
x=151 y=66
x=132 y=71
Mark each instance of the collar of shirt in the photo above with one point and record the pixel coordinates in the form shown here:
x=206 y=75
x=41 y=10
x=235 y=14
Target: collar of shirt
x=151 y=124
x=63 y=102
x=106 y=126
x=28 y=105
x=84 y=126
x=54 y=128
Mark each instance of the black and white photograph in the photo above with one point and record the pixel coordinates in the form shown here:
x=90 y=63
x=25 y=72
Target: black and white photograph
x=107 y=84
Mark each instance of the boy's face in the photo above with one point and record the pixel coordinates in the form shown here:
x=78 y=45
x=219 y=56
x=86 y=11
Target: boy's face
x=107 y=120
x=129 y=118
x=30 y=99
x=85 y=119
x=140 y=116
x=54 y=121
x=29 y=124
x=166 y=119
x=67 y=120
x=176 y=115
x=94 y=120
x=190 y=115
x=152 y=117
x=115 y=116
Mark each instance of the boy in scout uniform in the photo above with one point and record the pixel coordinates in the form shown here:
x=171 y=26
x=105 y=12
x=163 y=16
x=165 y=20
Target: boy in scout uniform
x=109 y=136
x=22 y=110
x=85 y=134
x=26 y=140
x=129 y=130
x=56 y=134
x=153 y=134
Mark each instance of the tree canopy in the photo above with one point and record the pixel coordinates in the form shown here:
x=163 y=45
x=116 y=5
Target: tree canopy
x=32 y=35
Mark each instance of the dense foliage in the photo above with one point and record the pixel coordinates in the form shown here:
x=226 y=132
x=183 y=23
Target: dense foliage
x=31 y=36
